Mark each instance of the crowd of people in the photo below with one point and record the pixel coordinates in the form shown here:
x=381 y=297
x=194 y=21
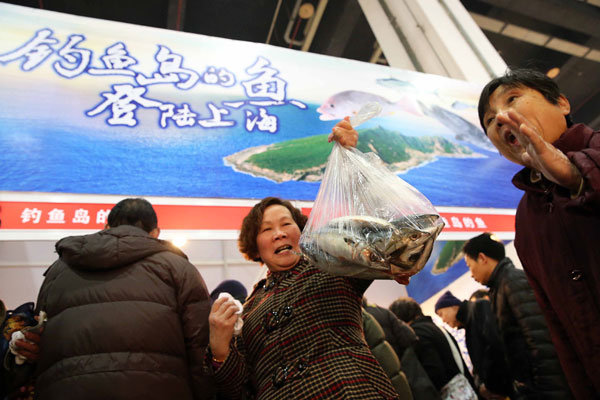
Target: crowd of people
x=128 y=316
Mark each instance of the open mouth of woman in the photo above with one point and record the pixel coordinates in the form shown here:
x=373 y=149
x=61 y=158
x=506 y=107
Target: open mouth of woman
x=511 y=139
x=283 y=248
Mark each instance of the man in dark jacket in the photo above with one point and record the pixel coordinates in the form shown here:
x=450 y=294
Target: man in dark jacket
x=433 y=348
x=530 y=351
x=127 y=315
x=490 y=369
x=558 y=219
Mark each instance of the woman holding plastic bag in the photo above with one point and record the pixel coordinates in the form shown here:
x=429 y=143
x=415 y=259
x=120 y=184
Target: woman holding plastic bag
x=302 y=335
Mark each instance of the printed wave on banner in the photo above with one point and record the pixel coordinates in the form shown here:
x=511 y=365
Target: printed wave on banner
x=97 y=107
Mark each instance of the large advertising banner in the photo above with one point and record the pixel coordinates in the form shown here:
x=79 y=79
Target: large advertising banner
x=92 y=107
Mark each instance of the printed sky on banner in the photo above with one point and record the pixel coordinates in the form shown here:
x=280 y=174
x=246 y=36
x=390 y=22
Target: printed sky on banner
x=99 y=107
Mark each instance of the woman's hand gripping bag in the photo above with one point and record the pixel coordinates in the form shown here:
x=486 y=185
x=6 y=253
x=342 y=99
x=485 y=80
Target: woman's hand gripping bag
x=367 y=222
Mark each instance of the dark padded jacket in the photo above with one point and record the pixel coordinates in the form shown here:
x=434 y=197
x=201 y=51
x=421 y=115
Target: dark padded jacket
x=435 y=353
x=529 y=349
x=397 y=332
x=402 y=338
x=385 y=355
x=127 y=319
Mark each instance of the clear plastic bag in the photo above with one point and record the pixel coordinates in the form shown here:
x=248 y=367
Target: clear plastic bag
x=367 y=222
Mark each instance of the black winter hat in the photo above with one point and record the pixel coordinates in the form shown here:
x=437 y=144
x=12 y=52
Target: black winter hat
x=447 y=300
x=231 y=286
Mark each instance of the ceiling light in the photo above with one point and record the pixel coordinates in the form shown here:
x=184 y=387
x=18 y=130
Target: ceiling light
x=306 y=11
x=179 y=241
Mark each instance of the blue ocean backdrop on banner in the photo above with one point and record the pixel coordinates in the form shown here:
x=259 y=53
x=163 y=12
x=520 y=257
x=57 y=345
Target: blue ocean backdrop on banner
x=47 y=158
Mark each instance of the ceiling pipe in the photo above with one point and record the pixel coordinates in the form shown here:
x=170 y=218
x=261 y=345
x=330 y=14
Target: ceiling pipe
x=275 y=15
x=311 y=26
x=314 y=25
x=176 y=14
x=178 y=23
x=287 y=35
x=292 y=40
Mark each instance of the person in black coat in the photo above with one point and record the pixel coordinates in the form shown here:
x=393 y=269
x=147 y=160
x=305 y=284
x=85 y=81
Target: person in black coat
x=531 y=354
x=433 y=348
x=490 y=369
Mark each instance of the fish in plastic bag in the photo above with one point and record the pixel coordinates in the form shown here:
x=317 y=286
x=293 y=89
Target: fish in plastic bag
x=367 y=222
x=373 y=248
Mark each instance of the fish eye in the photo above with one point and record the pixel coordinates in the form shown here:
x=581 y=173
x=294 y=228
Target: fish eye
x=414 y=236
x=366 y=231
x=414 y=257
x=373 y=257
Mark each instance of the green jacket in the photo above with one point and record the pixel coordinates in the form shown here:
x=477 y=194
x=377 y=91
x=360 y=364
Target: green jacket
x=385 y=355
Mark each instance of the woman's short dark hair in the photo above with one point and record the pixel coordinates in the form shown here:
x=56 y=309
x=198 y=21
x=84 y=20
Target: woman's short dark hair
x=137 y=212
x=252 y=222
x=406 y=308
x=520 y=77
x=487 y=244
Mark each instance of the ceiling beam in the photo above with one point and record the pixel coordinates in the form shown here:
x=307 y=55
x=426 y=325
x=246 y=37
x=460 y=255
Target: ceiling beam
x=572 y=15
x=346 y=18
